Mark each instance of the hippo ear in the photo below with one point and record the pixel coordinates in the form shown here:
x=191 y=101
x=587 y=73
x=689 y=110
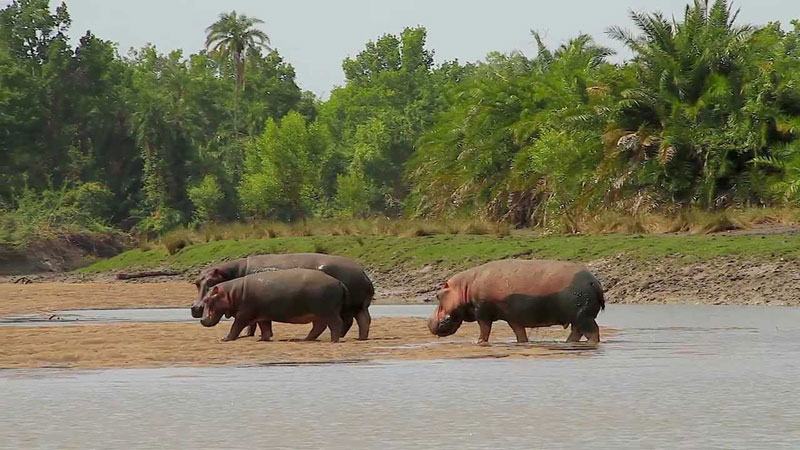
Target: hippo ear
x=447 y=284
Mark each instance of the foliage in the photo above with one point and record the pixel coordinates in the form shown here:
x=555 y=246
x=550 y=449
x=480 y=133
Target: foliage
x=704 y=117
x=206 y=197
x=282 y=169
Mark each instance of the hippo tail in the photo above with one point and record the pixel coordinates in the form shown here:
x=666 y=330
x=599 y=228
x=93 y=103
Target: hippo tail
x=369 y=283
x=598 y=290
x=601 y=298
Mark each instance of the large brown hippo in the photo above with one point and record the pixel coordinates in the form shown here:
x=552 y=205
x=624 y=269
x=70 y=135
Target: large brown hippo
x=346 y=270
x=290 y=296
x=524 y=293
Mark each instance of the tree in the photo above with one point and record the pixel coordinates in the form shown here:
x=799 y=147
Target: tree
x=686 y=117
x=232 y=36
x=282 y=170
x=375 y=120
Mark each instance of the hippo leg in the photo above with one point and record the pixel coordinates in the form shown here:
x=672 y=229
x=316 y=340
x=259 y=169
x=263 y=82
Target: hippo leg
x=317 y=329
x=574 y=335
x=236 y=330
x=335 y=325
x=591 y=331
x=519 y=330
x=266 y=330
x=347 y=322
x=486 y=329
x=364 y=320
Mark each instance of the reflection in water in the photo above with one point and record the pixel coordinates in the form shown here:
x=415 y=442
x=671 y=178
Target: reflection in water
x=674 y=377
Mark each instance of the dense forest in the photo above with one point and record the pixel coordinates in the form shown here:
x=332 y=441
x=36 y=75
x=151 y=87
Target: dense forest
x=705 y=115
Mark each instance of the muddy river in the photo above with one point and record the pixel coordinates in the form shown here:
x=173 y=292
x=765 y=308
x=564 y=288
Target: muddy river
x=671 y=377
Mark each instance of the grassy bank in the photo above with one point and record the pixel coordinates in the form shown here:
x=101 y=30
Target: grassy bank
x=459 y=250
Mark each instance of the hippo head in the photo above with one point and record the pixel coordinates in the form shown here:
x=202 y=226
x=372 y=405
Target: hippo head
x=215 y=305
x=450 y=313
x=442 y=324
x=206 y=280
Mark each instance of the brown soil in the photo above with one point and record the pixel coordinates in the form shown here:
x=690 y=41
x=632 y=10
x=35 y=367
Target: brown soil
x=720 y=281
x=190 y=344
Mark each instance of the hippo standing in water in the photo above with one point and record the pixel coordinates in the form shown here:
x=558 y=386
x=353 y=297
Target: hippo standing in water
x=346 y=270
x=291 y=296
x=524 y=293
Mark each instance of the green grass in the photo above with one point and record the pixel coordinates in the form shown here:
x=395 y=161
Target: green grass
x=459 y=251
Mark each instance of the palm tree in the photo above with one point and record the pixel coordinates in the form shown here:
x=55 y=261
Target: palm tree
x=232 y=35
x=690 y=98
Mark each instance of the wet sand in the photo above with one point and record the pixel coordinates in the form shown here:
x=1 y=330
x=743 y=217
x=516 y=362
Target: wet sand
x=190 y=344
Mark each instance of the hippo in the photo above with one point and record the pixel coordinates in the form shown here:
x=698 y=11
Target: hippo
x=524 y=293
x=290 y=296
x=343 y=269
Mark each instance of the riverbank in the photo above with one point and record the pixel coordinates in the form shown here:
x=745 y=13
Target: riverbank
x=735 y=268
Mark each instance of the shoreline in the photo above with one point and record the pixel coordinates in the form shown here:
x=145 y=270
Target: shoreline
x=669 y=280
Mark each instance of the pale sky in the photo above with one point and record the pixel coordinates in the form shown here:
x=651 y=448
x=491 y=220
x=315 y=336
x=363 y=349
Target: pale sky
x=315 y=36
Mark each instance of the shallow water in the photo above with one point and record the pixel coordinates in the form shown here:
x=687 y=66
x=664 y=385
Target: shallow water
x=673 y=377
x=78 y=316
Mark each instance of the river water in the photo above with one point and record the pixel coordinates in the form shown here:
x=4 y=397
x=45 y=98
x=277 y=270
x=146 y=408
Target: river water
x=673 y=377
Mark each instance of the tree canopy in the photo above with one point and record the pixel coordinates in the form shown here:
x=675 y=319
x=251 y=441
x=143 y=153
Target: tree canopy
x=706 y=114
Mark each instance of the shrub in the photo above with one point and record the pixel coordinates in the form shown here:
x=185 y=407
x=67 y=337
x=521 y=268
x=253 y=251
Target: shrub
x=176 y=241
x=353 y=194
x=206 y=197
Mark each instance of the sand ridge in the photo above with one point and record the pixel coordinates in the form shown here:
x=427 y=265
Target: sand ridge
x=90 y=346
x=48 y=297
x=190 y=344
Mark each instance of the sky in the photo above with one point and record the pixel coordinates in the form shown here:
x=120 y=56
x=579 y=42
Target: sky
x=315 y=36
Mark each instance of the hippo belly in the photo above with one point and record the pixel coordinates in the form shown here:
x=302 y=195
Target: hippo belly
x=537 y=310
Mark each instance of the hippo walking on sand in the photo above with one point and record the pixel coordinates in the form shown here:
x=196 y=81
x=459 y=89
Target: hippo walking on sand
x=524 y=293
x=346 y=270
x=290 y=296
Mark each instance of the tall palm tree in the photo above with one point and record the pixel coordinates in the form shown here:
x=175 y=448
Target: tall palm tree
x=232 y=35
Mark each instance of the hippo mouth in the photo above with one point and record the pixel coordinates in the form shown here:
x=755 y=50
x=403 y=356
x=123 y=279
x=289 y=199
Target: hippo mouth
x=442 y=324
x=197 y=311
x=211 y=316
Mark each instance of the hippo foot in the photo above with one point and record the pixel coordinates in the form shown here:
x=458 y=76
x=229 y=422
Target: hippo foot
x=265 y=339
x=484 y=343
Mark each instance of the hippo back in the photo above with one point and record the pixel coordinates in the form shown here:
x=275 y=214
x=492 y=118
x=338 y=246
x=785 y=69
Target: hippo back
x=346 y=270
x=497 y=280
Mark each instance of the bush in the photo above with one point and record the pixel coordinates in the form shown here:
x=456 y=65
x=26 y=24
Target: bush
x=257 y=194
x=160 y=221
x=176 y=241
x=206 y=197
x=93 y=199
x=353 y=194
